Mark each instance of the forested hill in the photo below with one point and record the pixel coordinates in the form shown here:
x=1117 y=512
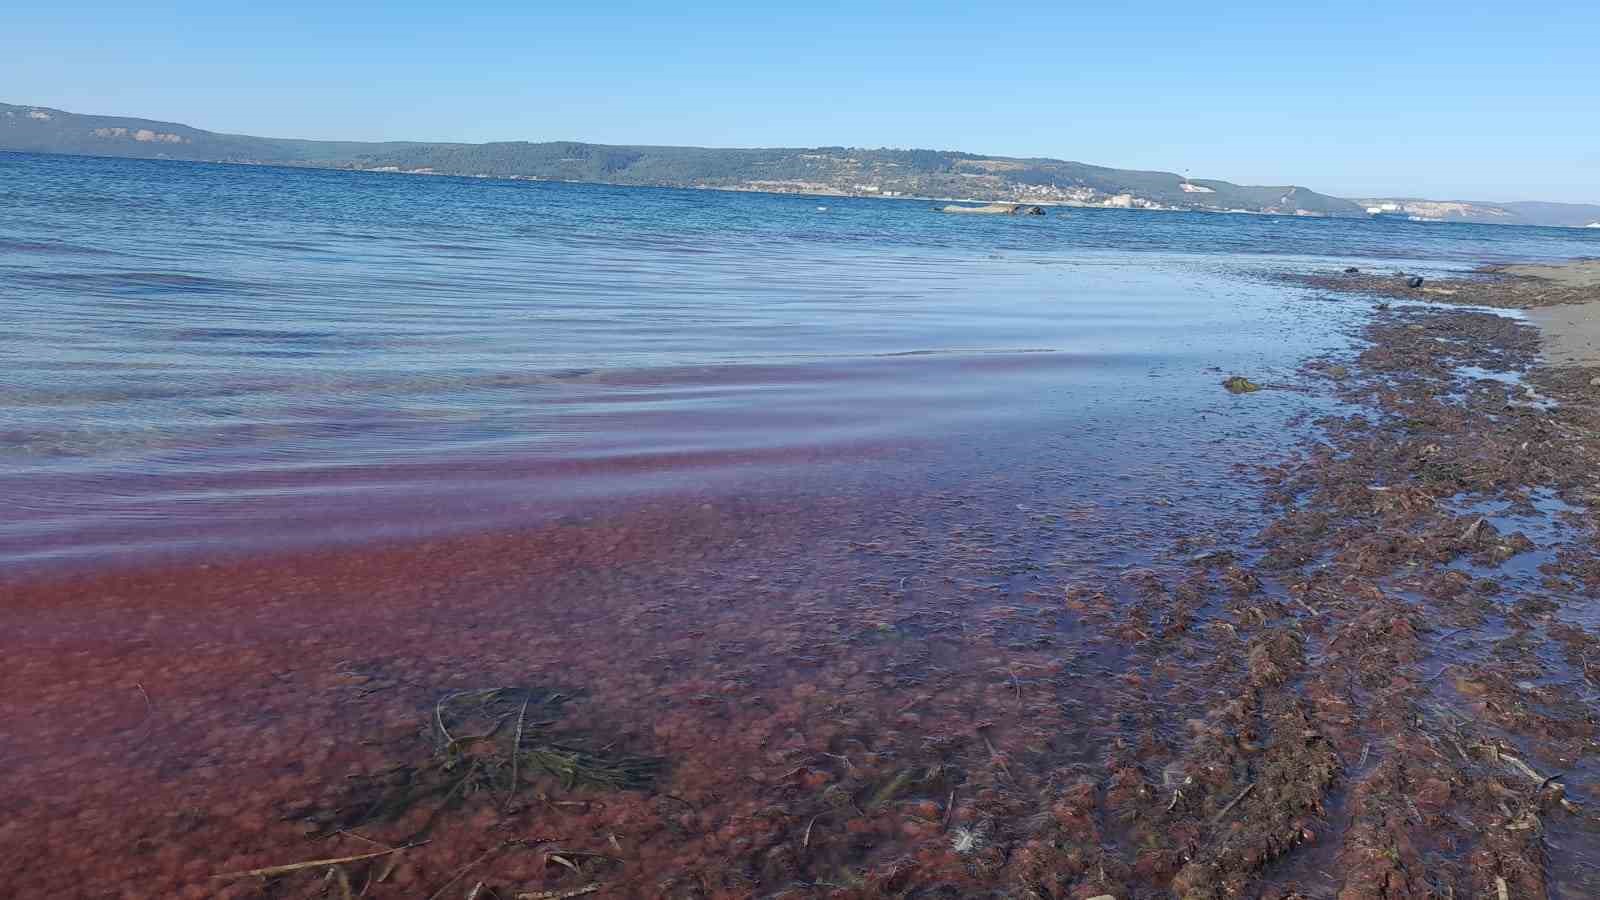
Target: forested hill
x=818 y=170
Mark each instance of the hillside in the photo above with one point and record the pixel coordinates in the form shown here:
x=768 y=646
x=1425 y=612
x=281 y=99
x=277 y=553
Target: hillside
x=1568 y=215
x=820 y=170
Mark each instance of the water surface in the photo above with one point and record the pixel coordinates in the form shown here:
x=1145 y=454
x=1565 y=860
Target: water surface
x=221 y=357
x=798 y=500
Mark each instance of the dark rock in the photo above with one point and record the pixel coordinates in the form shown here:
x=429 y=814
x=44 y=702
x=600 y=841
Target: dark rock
x=1352 y=270
x=1414 y=281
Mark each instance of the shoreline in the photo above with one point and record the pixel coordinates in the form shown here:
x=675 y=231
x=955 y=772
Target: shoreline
x=1058 y=204
x=1494 y=286
x=1382 y=694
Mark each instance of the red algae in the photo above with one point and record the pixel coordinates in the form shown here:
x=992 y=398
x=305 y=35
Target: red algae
x=1363 y=691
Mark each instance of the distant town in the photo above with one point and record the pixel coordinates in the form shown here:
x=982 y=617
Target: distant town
x=820 y=171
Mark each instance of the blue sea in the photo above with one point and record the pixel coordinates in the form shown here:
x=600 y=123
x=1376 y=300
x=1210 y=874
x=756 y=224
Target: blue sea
x=205 y=358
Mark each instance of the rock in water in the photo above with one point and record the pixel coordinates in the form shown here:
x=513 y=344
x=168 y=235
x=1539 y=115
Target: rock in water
x=996 y=209
x=1352 y=270
x=1238 y=384
x=1414 y=281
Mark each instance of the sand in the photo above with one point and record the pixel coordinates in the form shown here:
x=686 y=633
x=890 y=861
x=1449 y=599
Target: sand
x=1516 y=286
x=1583 y=273
x=1571 y=333
x=1561 y=299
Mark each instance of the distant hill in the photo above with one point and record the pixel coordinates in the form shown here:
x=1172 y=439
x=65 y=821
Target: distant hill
x=1570 y=215
x=817 y=170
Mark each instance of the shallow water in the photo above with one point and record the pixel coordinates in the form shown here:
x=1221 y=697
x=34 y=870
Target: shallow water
x=205 y=358
x=794 y=500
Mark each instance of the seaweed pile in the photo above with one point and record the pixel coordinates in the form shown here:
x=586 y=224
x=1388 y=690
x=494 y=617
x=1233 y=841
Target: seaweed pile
x=483 y=749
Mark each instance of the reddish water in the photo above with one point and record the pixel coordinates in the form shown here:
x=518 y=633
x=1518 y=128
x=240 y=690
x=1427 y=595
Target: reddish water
x=743 y=616
x=885 y=552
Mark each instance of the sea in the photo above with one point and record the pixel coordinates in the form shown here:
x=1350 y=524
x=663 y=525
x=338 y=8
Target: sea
x=203 y=359
x=813 y=545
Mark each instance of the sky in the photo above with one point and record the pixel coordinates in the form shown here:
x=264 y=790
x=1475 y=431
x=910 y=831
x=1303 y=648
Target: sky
x=1457 y=100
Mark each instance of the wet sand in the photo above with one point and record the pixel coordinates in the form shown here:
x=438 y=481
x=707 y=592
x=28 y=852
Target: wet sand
x=1579 y=274
x=1362 y=668
x=1513 y=286
x=1571 y=333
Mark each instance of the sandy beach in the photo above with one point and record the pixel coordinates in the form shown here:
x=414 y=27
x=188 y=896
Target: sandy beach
x=1572 y=333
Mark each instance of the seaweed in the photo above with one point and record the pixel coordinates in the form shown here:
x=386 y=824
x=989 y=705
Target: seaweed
x=490 y=743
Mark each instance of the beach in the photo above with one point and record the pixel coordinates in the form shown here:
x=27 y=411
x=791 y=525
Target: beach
x=996 y=592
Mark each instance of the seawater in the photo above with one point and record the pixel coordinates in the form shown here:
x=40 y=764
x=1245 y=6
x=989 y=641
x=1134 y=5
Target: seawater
x=199 y=358
x=869 y=523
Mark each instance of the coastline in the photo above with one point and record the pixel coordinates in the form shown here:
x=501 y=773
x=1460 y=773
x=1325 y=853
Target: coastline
x=1382 y=693
x=1495 y=286
x=1440 y=549
x=1053 y=203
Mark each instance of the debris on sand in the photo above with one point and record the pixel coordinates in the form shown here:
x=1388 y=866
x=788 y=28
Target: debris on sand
x=967 y=841
x=1504 y=287
x=1238 y=384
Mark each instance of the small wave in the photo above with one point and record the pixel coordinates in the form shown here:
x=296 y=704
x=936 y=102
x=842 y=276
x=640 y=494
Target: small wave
x=53 y=248
x=299 y=246
x=962 y=351
x=251 y=334
x=135 y=282
x=455 y=248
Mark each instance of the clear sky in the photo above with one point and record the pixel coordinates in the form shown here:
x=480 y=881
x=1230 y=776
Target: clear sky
x=1463 y=99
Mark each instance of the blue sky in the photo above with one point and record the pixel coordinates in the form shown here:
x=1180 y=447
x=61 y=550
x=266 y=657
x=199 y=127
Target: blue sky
x=1423 y=99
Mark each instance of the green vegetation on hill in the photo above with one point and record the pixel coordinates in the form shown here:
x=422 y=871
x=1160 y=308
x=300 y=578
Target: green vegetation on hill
x=820 y=170
x=825 y=170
